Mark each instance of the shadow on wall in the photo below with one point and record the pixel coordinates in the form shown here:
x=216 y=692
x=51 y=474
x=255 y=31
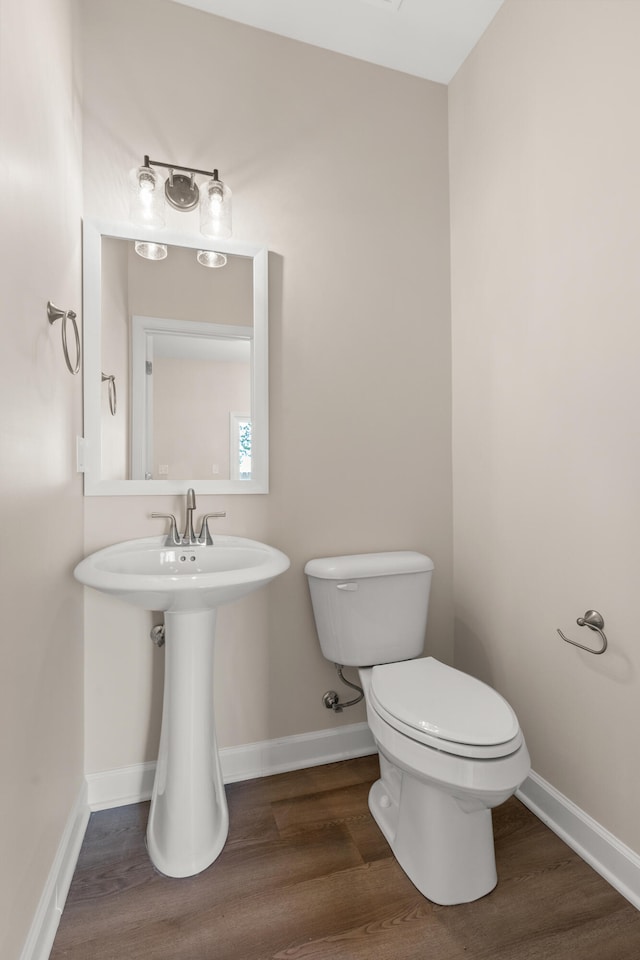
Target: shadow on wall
x=469 y=654
x=157 y=689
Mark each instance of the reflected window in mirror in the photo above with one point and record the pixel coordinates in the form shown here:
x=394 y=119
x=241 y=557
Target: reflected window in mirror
x=240 y=446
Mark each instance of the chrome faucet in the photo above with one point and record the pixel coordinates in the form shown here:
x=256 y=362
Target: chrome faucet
x=189 y=534
x=189 y=537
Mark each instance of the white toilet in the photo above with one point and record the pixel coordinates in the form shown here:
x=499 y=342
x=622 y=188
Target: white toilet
x=450 y=747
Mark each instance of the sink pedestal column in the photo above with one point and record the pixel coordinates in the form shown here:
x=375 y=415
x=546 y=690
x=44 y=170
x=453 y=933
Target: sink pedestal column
x=189 y=820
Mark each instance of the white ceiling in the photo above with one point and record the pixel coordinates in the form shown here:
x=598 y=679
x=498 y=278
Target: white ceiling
x=427 y=38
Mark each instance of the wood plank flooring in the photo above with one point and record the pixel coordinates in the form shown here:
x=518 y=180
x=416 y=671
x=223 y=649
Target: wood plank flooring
x=307 y=875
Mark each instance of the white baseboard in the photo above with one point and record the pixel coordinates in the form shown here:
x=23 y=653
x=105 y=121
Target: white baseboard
x=617 y=863
x=115 y=788
x=47 y=916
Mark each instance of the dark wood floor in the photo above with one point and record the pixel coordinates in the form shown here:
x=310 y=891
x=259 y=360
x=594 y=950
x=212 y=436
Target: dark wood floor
x=306 y=874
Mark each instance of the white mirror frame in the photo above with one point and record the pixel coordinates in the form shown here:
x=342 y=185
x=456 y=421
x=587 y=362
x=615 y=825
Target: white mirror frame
x=94 y=485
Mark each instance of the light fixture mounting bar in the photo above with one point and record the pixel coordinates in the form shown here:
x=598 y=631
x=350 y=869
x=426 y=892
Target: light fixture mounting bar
x=174 y=166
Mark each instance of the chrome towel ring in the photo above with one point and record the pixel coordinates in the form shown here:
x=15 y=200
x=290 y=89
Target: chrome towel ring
x=595 y=621
x=55 y=313
x=113 y=403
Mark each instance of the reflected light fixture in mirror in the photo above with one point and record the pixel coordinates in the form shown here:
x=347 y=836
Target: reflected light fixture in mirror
x=210 y=258
x=151 y=251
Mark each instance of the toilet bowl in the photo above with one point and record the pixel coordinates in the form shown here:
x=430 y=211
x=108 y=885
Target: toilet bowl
x=434 y=797
x=450 y=746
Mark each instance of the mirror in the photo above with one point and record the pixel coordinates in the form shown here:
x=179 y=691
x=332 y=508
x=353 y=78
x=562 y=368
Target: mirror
x=175 y=365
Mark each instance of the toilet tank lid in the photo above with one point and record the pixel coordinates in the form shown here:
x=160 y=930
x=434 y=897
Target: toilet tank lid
x=362 y=565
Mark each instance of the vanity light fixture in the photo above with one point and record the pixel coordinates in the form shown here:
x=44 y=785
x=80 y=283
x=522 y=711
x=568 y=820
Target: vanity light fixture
x=147 y=202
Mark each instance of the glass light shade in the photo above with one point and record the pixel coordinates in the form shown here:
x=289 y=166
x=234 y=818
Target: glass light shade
x=215 y=209
x=146 y=197
x=151 y=251
x=211 y=258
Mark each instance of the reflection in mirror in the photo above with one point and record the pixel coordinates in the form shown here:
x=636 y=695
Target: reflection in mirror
x=187 y=345
x=177 y=367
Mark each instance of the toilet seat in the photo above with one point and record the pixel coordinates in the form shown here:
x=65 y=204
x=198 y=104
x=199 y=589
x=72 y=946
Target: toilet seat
x=444 y=709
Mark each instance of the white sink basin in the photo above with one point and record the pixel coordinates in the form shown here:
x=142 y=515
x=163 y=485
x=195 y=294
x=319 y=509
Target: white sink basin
x=156 y=577
x=189 y=819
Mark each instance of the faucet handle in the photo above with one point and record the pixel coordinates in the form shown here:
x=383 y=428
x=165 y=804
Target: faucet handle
x=205 y=536
x=172 y=536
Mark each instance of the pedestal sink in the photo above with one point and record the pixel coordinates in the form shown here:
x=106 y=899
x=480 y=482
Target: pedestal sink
x=188 y=821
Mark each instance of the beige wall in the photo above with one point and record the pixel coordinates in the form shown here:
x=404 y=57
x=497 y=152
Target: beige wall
x=544 y=145
x=340 y=169
x=40 y=493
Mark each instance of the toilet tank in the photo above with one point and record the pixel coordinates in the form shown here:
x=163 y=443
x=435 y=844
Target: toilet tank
x=372 y=607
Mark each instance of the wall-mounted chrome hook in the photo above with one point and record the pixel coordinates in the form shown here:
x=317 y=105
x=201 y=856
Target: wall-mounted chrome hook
x=112 y=392
x=595 y=621
x=55 y=313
